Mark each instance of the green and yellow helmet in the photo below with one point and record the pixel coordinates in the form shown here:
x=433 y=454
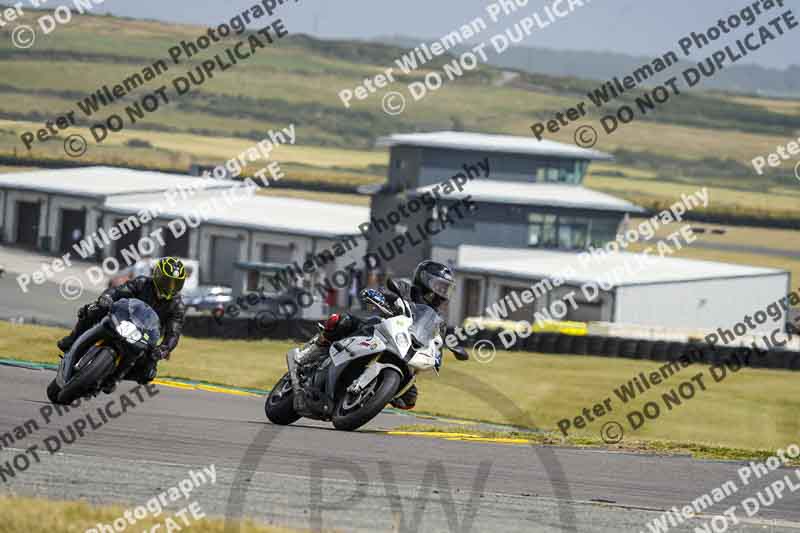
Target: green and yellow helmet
x=169 y=275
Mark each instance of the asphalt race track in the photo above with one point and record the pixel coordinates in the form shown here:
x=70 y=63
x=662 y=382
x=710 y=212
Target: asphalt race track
x=312 y=477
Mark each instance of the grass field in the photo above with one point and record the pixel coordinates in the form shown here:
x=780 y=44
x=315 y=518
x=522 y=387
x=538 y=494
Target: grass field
x=701 y=138
x=752 y=409
x=338 y=198
x=35 y=515
x=656 y=194
x=775 y=239
x=6 y=170
x=180 y=150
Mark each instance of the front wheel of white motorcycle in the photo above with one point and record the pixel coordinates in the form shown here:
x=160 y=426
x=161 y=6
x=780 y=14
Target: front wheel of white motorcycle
x=354 y=410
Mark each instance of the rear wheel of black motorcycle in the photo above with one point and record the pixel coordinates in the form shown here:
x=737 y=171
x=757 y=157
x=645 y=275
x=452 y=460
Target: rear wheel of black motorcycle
x=279 y=405
x=388 y=384
x=87 y=376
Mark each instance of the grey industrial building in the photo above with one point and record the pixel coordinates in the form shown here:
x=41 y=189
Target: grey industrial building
x=621 y=287
x=533 y=218
x=529 y=182
x=237 y=245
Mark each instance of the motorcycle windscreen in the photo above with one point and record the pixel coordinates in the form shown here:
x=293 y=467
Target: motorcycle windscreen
x=426 y=323
x=141 y=315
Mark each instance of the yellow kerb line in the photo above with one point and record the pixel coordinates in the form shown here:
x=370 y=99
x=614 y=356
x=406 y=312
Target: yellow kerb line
x=460 y=436
x=207 y=388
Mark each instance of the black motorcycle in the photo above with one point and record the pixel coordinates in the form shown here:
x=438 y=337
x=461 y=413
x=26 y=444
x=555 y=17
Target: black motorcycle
x=129 y=331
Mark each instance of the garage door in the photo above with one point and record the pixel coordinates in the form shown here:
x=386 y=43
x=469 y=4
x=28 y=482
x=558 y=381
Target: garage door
x=271 y=253
x=176 y=246
x=28 y=223
x=224 y=253
x=130 y=239
x=73 y=228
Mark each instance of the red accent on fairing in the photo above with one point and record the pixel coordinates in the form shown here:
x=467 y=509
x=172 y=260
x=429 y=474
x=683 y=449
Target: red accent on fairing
x=330 y=324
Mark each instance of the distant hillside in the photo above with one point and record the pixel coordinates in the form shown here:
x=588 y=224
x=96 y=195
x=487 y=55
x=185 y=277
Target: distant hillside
x=699 y=139
x=744 y=78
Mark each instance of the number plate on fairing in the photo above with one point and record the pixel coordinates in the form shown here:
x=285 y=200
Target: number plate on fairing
x=354 y=347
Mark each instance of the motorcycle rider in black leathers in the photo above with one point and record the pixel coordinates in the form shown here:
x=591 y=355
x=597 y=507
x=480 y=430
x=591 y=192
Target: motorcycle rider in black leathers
x=432 y=284
x=162 y=293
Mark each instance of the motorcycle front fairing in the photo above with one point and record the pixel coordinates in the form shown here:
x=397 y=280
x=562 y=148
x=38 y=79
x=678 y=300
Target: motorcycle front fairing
x=134 y=322
x=390 y=336
x=426 y=338
x=144 y=326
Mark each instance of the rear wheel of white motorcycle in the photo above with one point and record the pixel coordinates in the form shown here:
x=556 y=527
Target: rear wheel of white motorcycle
x=279 y=405
x=353 y=411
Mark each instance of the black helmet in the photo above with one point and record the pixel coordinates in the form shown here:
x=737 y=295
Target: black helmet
x=434 y=281
x=169 y=274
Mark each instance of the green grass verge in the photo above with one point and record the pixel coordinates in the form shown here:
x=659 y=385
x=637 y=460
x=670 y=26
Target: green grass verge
x=752 y=409
x=696 y=450
x=37 y=515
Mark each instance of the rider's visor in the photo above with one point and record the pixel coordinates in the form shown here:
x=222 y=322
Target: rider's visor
x=168 y=287
x=441 y=287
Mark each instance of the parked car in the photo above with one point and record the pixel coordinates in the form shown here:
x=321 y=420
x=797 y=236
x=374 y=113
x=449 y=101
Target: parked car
x=207 y=298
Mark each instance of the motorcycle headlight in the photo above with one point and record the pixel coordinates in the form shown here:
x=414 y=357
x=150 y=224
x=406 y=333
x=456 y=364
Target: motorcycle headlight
x=128 y=331
x=402 y=340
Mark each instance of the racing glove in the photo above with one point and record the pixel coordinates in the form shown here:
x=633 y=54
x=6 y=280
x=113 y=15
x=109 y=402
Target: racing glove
x=160 y=353
x=102 y=305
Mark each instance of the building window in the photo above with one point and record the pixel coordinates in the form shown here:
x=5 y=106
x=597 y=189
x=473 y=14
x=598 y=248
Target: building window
x=570 y=232
x=570 y=172
x=542 y=231
x=604 y=230
x=573 y=233
x=399 y=163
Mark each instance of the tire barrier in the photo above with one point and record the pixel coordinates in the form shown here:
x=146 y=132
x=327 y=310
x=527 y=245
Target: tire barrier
x=793 y=359
x=675 y=350
x=532 y=343
x=596 y=345
x=695 y=353
x=263 y=326
x=628 y=348
x=612 y=346
x=580 y=345
x=547 y=342
x=645 y=349
x=564 y=344
x=267 y=326
x=659 y=351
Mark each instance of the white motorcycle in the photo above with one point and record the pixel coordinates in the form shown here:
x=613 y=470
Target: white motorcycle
x=366 y=371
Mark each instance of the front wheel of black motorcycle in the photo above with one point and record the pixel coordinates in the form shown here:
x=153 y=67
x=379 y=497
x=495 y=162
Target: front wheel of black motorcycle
x=88 y=374
x=279 y=405
x=53 y=390
x=353 y=412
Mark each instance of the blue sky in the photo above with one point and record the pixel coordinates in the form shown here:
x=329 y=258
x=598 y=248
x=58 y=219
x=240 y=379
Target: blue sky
x=638 y=27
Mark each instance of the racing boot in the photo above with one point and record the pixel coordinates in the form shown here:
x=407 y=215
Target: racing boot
x=109 y=386
x=86 y=318
x=66 y=343
x=407 y=400
x=311 y=351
